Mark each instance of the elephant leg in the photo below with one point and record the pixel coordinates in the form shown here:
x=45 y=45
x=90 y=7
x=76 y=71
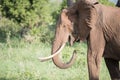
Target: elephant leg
x=96 y=44
x=94 y=62
x=113 y=67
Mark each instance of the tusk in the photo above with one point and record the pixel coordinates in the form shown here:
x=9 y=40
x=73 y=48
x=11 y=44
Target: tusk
x=51 y=56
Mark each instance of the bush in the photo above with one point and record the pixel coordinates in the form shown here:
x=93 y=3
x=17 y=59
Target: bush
x=8 y=27
x=21 y=14
x=106 y=2
x=36 y=17
x=43 y=34
x=26 y=12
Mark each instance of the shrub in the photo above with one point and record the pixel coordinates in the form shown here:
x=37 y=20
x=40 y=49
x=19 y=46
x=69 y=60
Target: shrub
x=8 y=27
x=21 y=14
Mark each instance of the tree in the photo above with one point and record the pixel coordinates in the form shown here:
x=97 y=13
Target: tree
x=24 y=14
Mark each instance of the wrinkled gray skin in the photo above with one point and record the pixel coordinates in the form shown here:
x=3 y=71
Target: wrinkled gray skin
x=100 y=26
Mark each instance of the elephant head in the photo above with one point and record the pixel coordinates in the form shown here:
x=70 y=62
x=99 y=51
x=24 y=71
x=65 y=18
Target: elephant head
x=64 y=33
x=71 y=26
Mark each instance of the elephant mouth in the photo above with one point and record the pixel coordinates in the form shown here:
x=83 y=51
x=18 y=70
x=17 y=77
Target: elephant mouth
x=72 y=39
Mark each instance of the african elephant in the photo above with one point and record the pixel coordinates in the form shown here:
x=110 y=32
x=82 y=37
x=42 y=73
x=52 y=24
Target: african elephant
x=96 y=23
x=118 y=3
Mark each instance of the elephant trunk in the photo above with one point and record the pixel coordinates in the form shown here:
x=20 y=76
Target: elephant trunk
x=56 y=59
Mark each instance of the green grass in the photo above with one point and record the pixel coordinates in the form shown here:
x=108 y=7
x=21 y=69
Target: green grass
x=19 y=61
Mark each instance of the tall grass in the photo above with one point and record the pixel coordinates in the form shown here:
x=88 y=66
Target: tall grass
x=19 y=61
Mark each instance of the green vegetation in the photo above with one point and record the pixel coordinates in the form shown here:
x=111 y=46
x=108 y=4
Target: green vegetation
x=19 y=61
x=106 y=2
x=35 y=19
x=26 y=32
x=21 y=18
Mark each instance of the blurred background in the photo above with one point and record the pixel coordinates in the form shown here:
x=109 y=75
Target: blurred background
x=114 y=1
x=26 y=32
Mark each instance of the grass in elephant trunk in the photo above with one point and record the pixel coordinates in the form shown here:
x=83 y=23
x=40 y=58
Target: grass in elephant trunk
x=19 y=61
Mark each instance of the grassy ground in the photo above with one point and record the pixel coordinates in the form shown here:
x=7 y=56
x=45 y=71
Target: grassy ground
x=19 y=61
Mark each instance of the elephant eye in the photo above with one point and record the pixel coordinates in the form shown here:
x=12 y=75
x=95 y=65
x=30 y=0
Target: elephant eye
x=64 y=26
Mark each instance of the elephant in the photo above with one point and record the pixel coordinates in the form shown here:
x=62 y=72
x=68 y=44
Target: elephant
x=99 y=25
x=118 y=3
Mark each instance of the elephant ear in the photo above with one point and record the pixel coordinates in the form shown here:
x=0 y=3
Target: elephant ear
x=87 y=17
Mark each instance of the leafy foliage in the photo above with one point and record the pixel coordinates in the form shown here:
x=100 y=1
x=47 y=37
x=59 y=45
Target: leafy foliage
x=26 y=12
x=106 y=2
x=38 y=16
x=19 y=14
